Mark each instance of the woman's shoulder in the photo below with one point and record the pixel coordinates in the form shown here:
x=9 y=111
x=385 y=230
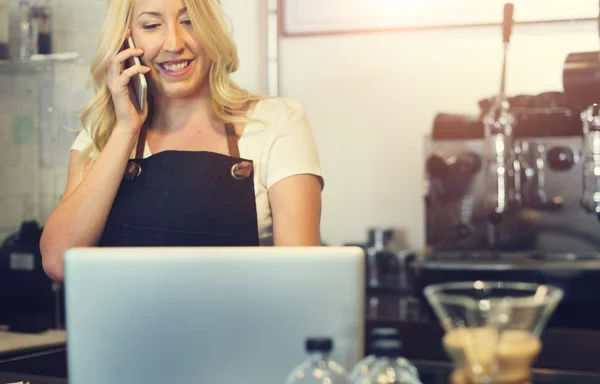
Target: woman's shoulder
x=279 y=112
x=277 y=107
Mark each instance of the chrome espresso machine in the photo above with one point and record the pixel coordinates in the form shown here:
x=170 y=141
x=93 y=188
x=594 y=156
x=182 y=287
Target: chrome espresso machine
x=513 y=194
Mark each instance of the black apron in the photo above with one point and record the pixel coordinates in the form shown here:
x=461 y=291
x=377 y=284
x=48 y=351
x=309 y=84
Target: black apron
x=185 y=198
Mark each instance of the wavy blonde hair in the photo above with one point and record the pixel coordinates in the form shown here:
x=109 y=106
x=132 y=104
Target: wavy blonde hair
x=209 y=20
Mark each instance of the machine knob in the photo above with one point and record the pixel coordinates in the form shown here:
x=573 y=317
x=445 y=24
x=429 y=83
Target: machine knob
x=437 y=166
x=560 y=158
x=463 y=230
x=469 y=163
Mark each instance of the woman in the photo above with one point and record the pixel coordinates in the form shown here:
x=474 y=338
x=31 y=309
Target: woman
x=205 y=164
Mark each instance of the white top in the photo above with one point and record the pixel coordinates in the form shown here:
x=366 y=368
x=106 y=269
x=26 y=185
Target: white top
x=281 y=147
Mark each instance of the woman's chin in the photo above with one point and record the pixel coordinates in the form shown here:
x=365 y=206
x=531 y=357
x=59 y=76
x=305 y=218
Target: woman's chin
x=180 y=91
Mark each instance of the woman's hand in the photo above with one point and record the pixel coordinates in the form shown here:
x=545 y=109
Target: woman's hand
x=118 y=84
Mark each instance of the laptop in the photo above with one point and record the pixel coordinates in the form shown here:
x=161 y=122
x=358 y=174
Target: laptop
x=209 y=315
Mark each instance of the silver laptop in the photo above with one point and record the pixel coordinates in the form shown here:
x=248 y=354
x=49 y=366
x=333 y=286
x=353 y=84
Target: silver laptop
x=208 y=315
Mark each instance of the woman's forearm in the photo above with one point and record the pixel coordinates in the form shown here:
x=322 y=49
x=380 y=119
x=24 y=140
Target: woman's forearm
x=80 y=218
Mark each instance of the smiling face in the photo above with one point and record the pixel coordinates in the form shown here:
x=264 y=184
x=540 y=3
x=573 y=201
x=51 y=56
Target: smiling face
x=172 y=48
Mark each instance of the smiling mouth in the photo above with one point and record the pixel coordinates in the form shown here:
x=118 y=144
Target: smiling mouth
x=175 y=67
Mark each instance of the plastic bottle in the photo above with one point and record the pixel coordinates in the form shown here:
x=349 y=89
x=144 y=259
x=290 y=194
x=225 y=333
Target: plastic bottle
x=318 y=368
x=362 y=368
x=390 y=367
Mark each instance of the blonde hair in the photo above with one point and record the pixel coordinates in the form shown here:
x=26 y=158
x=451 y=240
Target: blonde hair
x=208 y=19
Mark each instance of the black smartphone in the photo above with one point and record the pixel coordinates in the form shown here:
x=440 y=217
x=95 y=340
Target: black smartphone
x=138 y=84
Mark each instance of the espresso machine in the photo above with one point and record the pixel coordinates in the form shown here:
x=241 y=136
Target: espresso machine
x=513 y=193
x=509 y=179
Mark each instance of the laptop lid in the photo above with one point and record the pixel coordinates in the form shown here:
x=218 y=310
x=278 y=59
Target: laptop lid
x=208 y=315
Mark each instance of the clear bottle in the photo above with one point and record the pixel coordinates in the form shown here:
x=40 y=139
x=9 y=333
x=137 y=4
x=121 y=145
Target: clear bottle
x=390 y=367
x=318 y=368
x=362 y=369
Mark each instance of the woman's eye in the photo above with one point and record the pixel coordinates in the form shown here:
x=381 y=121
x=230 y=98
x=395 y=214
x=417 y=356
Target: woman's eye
x=186 y=22
x=151 y=26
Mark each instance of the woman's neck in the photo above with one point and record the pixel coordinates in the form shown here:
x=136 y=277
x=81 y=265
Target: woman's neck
x=170 y=114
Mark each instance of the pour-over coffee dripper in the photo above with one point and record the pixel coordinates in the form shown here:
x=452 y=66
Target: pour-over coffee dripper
x=492 y=329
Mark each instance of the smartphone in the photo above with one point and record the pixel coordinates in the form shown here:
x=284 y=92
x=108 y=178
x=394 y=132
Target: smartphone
x=138 y=84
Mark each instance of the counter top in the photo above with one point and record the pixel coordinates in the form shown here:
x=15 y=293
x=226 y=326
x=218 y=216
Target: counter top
x=430 y=372
x=7 y=377
x=436 y=372
x=41 y=359
x=12 y=343
x=565 y=350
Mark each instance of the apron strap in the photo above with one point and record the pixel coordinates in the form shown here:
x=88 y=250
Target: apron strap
x=232 y=140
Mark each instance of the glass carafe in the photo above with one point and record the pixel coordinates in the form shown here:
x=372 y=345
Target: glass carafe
x=492 y=329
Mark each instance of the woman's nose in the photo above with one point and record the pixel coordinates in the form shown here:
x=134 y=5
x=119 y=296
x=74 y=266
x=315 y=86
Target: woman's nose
x=173 y=39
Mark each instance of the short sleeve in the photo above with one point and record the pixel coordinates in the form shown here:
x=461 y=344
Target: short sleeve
x=81 y=141
x=293 y=150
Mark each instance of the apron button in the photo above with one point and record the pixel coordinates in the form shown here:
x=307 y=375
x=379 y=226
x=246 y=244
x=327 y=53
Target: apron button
x=132 y=171
x=241 y=171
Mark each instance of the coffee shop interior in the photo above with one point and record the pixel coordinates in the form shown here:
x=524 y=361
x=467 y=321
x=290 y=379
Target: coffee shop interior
x=459 y=141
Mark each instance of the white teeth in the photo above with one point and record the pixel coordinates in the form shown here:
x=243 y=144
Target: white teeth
x=175 y=67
